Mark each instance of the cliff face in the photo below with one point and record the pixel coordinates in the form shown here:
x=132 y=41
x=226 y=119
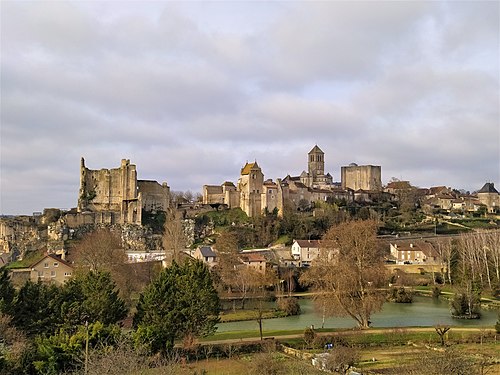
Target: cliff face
x=54 y=231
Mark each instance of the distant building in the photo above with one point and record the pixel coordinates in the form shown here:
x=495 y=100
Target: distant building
x=206 y=255
x=489 y=196
x=416 y=251
x=361 y=177
x=254 y=195
x=305 y=251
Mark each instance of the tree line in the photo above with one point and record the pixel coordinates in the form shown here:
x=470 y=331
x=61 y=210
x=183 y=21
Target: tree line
x=46 y=329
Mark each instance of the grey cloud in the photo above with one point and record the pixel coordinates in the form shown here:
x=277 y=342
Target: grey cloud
x=188 y=95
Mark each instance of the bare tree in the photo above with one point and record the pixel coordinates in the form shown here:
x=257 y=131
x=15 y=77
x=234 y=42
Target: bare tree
x=174 y=239
x=441 y=330
x=100 y=250
x=349 y=271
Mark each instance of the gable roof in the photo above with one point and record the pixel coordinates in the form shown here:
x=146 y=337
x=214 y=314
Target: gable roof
x=53 y=257
x=488 y=187
x=417 y=245
x=316 y=150
x=308 y=243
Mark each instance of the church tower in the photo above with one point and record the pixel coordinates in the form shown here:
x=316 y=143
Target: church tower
x=316 y=163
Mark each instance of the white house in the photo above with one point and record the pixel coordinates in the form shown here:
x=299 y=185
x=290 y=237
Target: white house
x=416 y=251
x=305 y=251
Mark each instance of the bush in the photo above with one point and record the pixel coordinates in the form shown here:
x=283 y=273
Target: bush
x=309 y=336
x=401 y=295
x=290 y=306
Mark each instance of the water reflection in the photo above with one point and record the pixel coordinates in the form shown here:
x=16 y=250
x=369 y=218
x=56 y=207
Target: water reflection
x=423 y=311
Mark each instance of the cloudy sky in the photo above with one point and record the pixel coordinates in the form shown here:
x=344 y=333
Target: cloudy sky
x=190 y=91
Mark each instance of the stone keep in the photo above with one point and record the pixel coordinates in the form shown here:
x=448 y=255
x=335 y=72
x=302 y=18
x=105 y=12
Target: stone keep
x=361 y=177
x=116 y=196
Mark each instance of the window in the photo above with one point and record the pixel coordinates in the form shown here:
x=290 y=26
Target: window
x=67 y=273
x=52 y=273
x=40 y=273
x=56 y=264
x=46 y=265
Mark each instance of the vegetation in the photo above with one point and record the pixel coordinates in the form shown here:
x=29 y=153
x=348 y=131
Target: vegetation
x=181 y=303
x=349 y=272
x=400 y=295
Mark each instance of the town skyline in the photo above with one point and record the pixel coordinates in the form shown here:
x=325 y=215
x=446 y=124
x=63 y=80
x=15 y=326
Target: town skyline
x=191 y=91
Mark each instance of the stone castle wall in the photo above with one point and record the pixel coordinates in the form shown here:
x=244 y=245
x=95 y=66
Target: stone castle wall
x=364 y=177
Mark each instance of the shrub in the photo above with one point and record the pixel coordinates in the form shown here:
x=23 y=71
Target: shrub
x=401 y=295
x=290 y=306
x=309 y=336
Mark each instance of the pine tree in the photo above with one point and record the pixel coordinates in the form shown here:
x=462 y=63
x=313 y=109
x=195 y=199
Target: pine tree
x=181 y=303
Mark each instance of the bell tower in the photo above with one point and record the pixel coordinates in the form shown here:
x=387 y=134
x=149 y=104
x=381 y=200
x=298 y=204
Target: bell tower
x=316 y=163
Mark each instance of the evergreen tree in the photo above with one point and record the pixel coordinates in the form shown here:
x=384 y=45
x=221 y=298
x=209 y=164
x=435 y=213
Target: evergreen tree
x=91 y=297
x=181 y=303
x=7 y=291
x=35 y=309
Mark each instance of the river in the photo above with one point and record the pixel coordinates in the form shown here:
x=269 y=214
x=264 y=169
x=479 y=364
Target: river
x=423 y=312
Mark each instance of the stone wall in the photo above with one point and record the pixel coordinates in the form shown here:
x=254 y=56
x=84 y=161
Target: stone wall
x=154 y=197
x=364 y=177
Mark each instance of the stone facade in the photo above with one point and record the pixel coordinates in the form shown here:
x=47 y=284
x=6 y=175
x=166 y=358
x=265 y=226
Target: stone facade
x=254 y=195
x=109 y=196
x=361 y=177
x=490 y=197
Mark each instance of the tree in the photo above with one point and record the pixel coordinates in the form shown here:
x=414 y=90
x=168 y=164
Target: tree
x=348 y=272
x=36 y=307
x=342 y=359
x=7 y=291
x=91 y=297
x=174 y=239
x=100 y=250
x=181 y=302
x=441 y=330
x=466 y=303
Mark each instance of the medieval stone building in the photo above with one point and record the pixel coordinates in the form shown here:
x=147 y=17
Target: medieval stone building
x=490 y=197
x=361 y=177
x=115 y=195
x=254 y=195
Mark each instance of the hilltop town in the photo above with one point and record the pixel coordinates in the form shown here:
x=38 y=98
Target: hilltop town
x=245 y=244
x=117 y=199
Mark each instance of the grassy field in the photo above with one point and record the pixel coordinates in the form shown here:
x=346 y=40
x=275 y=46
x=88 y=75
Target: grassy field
x=372 y=360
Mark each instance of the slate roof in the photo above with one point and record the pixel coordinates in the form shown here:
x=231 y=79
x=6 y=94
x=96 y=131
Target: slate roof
x=488 y=187
x=207 y=251
x=316 y=149
x=308 y=243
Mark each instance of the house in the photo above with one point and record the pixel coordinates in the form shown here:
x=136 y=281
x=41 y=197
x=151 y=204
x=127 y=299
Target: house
x=206 y=255
x=51 y=269
x=305 y=251
x=256 y=261
x=489 y=197
x=414 y=251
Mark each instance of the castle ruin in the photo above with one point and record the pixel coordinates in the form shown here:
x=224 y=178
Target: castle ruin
x=116 y=195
